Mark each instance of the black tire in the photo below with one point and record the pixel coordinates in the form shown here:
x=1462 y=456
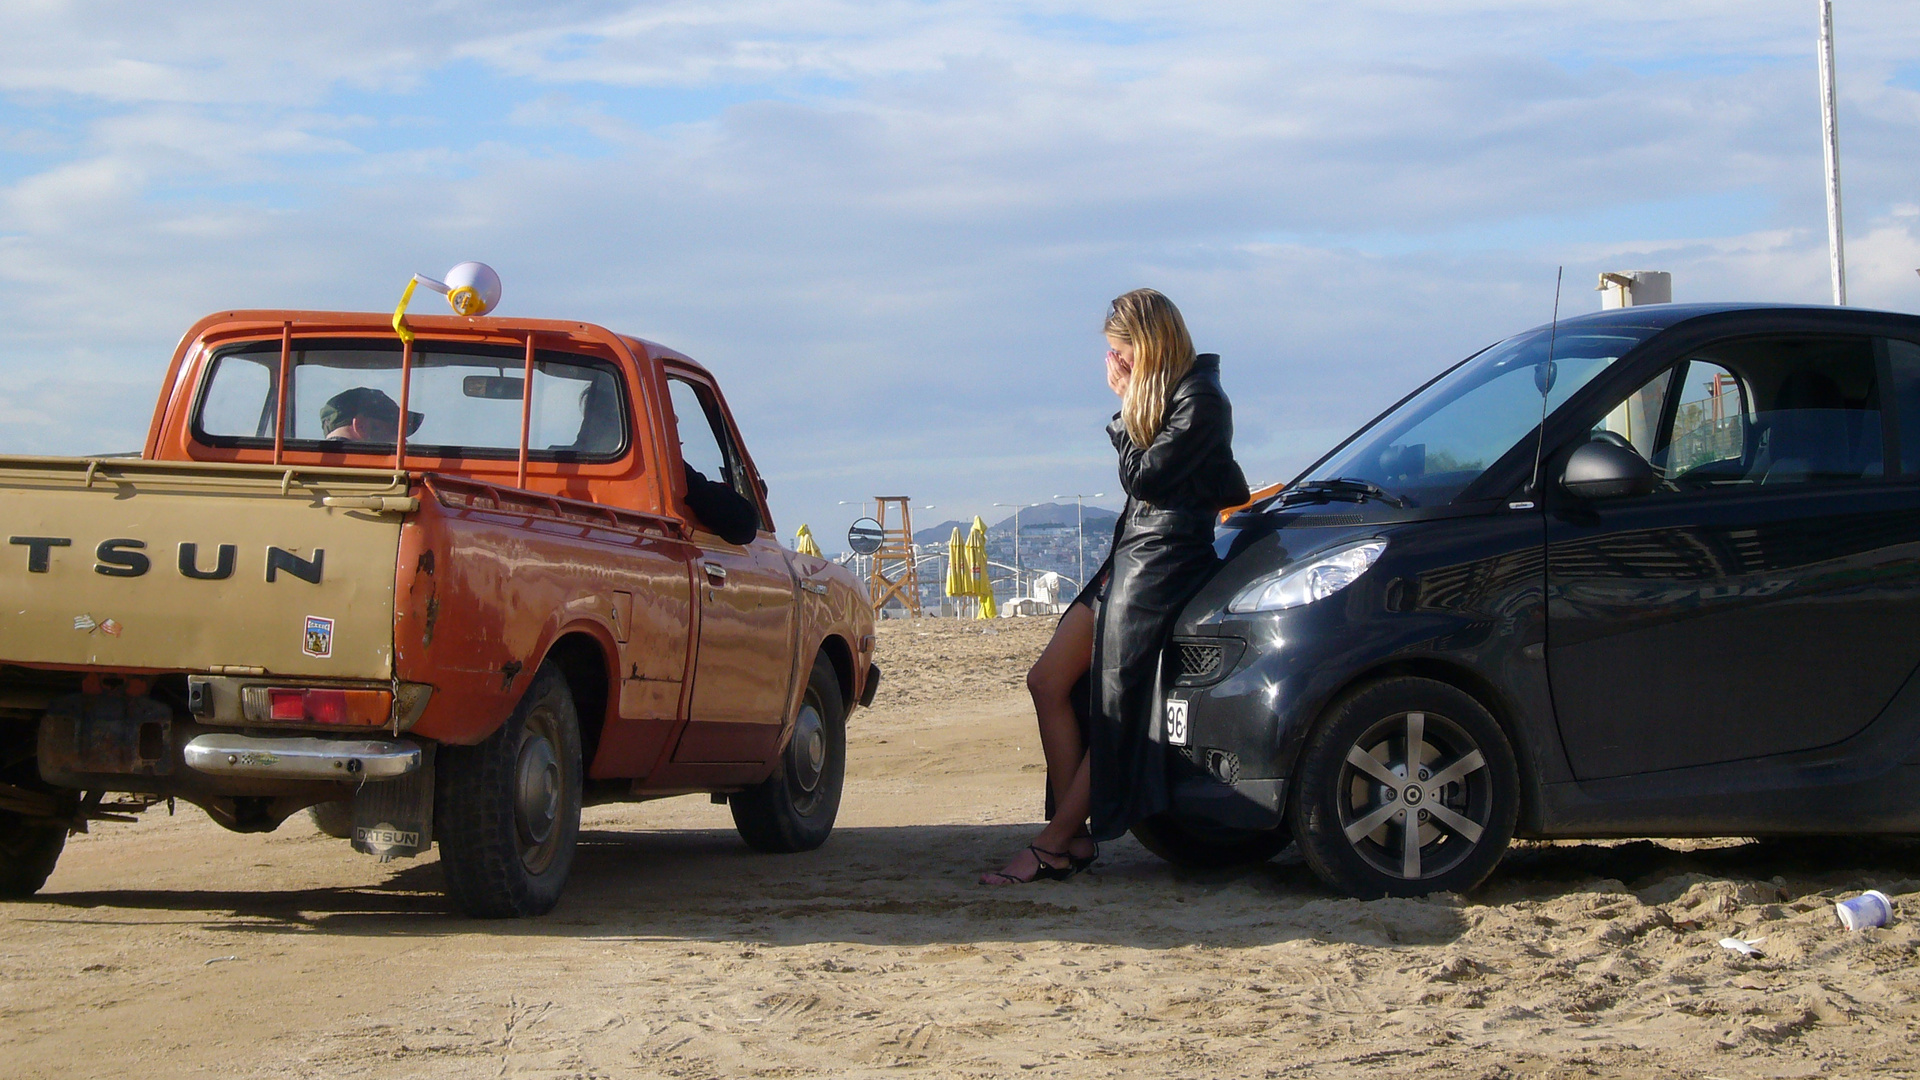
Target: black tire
x=1204 y=845
x=793 y=809
x=1463 y=803
x=334 y=819
x=508 y=812
x=28 y=852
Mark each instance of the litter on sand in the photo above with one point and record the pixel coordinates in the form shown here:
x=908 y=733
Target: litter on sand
x=1744 y=948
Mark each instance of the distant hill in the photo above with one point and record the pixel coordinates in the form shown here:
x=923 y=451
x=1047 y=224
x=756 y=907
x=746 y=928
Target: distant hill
x=1056 y=514
x=941 y=533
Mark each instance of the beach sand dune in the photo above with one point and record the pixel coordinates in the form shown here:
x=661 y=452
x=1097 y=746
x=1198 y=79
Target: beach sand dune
x=171 y=948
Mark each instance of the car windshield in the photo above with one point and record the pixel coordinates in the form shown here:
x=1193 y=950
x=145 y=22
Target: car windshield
x=1436 y=443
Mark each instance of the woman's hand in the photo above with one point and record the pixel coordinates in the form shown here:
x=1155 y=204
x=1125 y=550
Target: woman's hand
x=1119 y=372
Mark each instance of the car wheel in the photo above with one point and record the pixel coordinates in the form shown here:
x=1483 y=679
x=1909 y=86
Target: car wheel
x=333 y=819
x=1202 y=845
x=1406 y=786
x=793 y=809
x=509 y=808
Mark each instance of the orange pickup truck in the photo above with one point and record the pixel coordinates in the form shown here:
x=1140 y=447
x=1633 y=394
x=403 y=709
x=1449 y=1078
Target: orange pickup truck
x=448 y=585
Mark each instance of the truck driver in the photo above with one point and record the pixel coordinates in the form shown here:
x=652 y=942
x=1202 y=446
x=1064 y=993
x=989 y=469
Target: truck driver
x=363 y=414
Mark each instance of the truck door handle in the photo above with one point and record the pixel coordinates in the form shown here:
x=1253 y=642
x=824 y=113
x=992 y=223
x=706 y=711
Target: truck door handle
x=716 y=573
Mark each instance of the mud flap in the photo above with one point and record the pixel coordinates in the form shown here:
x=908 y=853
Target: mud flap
x=394 y=818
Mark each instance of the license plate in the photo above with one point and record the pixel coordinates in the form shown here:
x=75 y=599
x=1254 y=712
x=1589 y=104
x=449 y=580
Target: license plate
x=1176 y=722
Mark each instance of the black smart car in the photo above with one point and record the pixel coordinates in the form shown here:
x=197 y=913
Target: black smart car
x=1688 y=604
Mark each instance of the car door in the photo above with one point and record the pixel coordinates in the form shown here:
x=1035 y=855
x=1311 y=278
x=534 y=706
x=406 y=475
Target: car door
x=1767 y=599
x=743 y=666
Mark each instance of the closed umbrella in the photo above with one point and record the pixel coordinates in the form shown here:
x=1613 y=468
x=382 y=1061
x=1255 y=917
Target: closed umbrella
x=977 y=566
x=803 y=542
x=958 y=580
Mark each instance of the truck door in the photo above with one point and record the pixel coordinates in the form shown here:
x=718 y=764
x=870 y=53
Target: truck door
x=743 y=667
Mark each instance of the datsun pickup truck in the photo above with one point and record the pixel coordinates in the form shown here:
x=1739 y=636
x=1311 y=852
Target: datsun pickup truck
x=446 y=585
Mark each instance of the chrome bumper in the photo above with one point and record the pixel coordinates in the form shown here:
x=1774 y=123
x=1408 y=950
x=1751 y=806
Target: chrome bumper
x=303 y=759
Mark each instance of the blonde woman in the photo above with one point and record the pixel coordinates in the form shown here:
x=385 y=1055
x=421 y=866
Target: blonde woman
x=1174 y=435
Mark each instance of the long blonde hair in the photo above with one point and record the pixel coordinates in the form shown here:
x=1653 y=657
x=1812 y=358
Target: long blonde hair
x=1162 y=356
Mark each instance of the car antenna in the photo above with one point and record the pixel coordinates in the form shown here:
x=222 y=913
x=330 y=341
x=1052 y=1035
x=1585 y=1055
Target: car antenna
x=1545 y=383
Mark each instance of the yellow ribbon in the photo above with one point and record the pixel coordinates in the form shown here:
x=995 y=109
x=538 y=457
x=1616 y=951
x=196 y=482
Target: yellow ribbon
x=400 y=313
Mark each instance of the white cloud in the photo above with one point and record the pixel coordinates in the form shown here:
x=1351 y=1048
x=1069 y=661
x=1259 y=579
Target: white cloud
x=892 y=227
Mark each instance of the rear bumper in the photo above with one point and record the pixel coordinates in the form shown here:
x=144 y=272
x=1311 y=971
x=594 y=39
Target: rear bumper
x=302 y=759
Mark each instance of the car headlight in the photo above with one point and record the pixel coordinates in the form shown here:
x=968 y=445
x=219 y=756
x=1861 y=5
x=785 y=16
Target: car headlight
x=1316 y=579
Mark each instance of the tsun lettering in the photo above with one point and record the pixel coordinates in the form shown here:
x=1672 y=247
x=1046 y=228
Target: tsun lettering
x=126 y=557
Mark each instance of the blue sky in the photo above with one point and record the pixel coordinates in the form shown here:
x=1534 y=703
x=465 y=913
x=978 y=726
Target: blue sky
x=891 y=228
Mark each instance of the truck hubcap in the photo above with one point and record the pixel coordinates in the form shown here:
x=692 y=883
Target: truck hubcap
x=536 y=804
x=807 y=754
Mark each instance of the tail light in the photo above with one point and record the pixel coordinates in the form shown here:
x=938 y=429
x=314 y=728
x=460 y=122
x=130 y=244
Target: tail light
x=348 y=708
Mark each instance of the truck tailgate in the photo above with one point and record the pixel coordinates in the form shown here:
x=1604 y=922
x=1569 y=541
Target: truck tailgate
x=133 y=564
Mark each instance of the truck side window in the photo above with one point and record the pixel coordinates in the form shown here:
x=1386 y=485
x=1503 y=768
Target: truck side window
x=706 y=445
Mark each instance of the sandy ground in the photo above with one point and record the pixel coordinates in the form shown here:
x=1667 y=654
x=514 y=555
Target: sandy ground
x=171 y=948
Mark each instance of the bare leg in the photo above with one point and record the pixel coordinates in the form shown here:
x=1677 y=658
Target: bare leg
x=1067 y=657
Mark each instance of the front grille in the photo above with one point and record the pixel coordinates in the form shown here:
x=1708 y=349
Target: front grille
x=1199 y=661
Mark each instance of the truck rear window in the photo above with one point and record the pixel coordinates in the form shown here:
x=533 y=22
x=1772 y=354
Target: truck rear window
x=465 y=400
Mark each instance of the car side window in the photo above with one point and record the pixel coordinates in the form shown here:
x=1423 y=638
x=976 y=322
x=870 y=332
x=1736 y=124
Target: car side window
x=1903 y=367
x=1776 y=410
x=1637 y=419
x=1710 y=422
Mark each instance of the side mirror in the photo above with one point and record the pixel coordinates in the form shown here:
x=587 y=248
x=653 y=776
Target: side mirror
x=1601 y=470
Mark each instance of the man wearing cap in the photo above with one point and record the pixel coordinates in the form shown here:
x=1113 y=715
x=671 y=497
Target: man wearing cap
x=364 y=414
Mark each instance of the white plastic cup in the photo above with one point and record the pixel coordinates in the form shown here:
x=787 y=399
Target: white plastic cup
x=1870 y=908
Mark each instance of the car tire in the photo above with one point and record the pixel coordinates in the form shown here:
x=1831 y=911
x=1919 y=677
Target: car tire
x=1460 y=806
x=508 y=813
x=333 y=819
x=793 y=809
x=1202 y=845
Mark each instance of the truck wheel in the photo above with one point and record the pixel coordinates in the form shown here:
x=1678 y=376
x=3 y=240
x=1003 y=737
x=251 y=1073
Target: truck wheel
x=28 y=851
x=1202 y=845
x=334 y=819
x=509 y=808
x=793 y=810
x=1406 y=786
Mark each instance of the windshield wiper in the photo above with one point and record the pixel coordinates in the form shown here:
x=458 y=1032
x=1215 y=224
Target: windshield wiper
x=1345 y=488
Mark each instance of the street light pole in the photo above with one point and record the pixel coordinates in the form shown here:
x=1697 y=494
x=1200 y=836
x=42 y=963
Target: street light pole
x=1016 y=542
x=1830 y=142
x=1080 y=514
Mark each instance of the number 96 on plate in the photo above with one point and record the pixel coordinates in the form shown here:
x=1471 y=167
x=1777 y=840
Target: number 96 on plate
x=1176 y=722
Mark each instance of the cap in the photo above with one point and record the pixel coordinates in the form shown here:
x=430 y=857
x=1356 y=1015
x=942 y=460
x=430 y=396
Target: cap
x=349 y=405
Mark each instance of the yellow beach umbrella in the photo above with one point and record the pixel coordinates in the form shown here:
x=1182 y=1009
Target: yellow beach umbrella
x=982 y=582
x=958 y=580
x=804 y=543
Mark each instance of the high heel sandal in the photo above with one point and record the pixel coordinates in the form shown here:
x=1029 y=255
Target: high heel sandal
x=1043 y=871
x=1079 y=863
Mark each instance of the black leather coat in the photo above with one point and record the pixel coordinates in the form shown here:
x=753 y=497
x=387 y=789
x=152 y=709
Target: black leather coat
x=1162 y=553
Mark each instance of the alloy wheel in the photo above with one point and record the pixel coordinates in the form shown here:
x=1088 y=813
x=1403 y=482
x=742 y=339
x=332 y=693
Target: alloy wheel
x=1415 y=795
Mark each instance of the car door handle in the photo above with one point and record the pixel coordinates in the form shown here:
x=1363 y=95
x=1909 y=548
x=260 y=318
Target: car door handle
x=716 y=573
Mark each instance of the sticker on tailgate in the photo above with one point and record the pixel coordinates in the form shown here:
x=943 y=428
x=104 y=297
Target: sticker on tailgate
x=319 y=637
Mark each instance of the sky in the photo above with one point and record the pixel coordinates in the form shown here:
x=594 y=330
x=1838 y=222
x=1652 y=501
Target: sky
x=891 y=229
